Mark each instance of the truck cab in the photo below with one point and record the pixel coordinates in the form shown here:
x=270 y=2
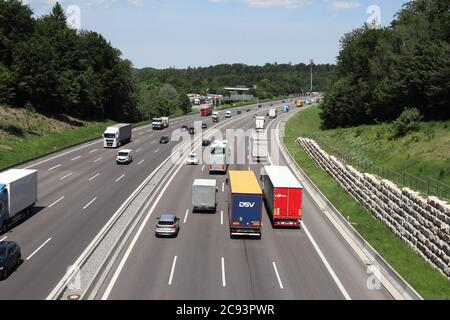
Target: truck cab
x=157 y=124
x=215 y=117
x=228 y=114
x=3 y=204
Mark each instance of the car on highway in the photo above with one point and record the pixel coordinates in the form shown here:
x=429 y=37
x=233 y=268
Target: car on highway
x=206 y=142
x=248 y=110
x=10 y=258
x=192 y=159
x=124 y=156
x=204 y=126
x=164 y=139
x=260 y=106
x=168 y=225
x=191 y=130
x=184 y=128
x=239 y=111
x=228 y=114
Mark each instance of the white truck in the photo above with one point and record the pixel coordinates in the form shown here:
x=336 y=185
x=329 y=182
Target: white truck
x=218 y=158
x=18 y=194
x=117 y=135
x=260 y=149
x=260 y=123
x=215 y=117
x=204 y=195
x=272 y=113
x=165 y=122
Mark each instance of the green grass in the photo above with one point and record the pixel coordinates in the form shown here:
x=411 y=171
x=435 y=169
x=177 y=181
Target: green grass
x=430 y=283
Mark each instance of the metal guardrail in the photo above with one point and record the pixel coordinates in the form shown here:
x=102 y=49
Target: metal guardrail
x=426 y=186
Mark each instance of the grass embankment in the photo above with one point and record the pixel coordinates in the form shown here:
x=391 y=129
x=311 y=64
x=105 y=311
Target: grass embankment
x=430 y=283
x=26 y=135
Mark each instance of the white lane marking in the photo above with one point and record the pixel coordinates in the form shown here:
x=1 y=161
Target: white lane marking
x=157 y=150
x=173 y=270
x=120 y=178
x=138 y=150
x=90 y=202
x=203 y=168
x=224 y=283
x=221 y=217
x=327 y=265
x=92 y=178
x=223 y=186
x=153 y=142
x=56 y=202
x=41 y=246
x=4 y=238
x=73 y=159
x=185 y=217
x=278 y=275
x=59 y=165
x=67 y=175
x=92 y=151
x=98 y=159
x=142 y=161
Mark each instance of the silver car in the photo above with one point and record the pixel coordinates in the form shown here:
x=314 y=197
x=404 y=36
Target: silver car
x=168 y=225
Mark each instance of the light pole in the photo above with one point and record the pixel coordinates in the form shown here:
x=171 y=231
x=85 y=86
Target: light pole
x=311 y=62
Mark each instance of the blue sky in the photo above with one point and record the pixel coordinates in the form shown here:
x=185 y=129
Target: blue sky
x=177 y=33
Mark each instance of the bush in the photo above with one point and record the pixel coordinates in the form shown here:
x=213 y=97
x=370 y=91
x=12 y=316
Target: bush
x=408 y=121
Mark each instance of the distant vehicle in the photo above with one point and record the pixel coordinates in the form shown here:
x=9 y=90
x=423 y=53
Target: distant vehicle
x=283 y=195
x=273 y=113
x=117 y=135
x=218 y=158
x=307 y=101
x=318 y=100
x=245 y=204
x=206 y=111
x=191 y=130
x=259 y=106
x=248 y=110
x=228 y=114
x=239 y=111
x=124 y=156
x=286 y=108
x=215 y=117
x=204 y=126
x=206 y=142
x=184 y=128
x=168 y=225
x=192 y=159
x=160 y=123
x=10 y=258
x=18 y=194
x=204 y=195
x=260 y=147
x=299 y=103
x=164 y=139
x=260 y=123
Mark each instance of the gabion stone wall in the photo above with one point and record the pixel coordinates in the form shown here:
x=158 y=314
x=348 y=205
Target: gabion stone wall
x=424 y=224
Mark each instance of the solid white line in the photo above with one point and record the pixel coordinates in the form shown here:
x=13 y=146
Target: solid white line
x=67 y=175
x=157 y=150
x=120 y=178
x=221 y=217
x=203 y=168
x=39 y=248
x=223 y=186
x=138 y=150
x=92 y=151
x=185 y=217
x=90 y=202
x=92 y=178
x=75 y=158
x=4 y=238
x=278 y=275
x=327 y=265
x=56 y=202
x=98 y=159
x=224 y=284
x=59 y=165
x=142 y=161
x=173 y=270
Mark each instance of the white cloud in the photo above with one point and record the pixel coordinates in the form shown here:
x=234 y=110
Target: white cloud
x=289 y=4
x=345 y=5
x=101 y=3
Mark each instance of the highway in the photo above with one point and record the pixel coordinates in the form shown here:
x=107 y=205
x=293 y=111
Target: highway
x=204 y=263
x=79 y=189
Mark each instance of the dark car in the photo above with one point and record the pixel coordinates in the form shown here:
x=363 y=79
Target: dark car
x=184 y=128
x=248 y=110
x=10 y=258
x=239 y=111
x=192 y=130
x=259 y=105
x=164 y=139
x=206 y=142
x=204 y=126
x=168 y=225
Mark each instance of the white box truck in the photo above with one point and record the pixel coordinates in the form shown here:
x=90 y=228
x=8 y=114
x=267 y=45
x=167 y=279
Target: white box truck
x=204 y=195
x=260 y=149
x=260 y=123
x=117 y=135
x=272 y=113
x=18 y=194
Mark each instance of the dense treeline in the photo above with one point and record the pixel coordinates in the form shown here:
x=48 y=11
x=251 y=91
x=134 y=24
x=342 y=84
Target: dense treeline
x=382 y=72
x=48 y=67
x=271 y=80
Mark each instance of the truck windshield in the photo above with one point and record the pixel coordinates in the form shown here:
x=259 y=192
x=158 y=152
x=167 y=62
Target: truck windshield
x=109 y=135
x=217 y=150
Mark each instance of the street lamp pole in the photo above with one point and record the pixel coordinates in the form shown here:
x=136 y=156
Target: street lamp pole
x=311 y=62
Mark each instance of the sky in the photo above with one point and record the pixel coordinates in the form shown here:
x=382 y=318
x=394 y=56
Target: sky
x=182 y=33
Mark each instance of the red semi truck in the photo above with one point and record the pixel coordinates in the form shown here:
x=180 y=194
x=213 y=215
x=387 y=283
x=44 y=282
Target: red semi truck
x=283 y=196
x=206 y=111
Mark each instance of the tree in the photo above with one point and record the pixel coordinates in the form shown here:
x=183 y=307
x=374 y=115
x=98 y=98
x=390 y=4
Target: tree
x=184 y=103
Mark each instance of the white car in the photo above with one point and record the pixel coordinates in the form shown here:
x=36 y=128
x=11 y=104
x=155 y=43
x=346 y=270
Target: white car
x=124 y=156
x=228 y=114
x=192 y=159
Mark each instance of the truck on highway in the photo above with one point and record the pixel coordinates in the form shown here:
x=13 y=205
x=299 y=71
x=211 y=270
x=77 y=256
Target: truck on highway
x=160 y=123
x=273 y=113
x=117 y=135
x=283 y=196
x=206 y=111
x=215 y=117
x=18 y=194
x=204 y=195
x=299 y=103
x=260 y=147
x=218 y=157
x=260 y=123
x=245 y=204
